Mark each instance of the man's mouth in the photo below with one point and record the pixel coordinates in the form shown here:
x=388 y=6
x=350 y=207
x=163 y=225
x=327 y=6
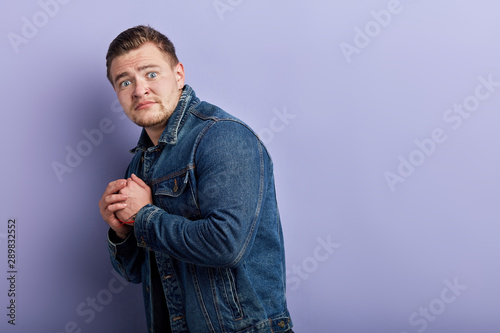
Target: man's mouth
x=144 y=105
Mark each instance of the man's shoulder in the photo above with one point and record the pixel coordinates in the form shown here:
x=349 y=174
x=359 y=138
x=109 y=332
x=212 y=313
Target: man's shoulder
x=216 y=126
x=205 y=110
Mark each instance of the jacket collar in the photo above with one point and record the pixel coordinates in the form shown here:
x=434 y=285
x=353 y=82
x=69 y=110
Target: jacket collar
x=174 y=123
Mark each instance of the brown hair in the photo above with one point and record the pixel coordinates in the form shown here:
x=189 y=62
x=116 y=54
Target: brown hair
x=135 y=37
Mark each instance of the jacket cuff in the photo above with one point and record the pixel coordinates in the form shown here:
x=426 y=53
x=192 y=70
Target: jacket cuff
x=116 y=244
x=144 y=217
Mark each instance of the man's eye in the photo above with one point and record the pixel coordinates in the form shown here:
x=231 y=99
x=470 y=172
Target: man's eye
x=125 y=83
x=152 y=75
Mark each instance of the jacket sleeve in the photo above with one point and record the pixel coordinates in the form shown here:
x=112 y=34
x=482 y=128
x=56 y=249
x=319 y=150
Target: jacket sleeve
x=230 y=161
x=126 y=256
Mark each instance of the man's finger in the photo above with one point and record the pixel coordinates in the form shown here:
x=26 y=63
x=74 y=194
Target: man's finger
x=139 y=181
x=115 y=186
x=114 y=198
x=112 y=209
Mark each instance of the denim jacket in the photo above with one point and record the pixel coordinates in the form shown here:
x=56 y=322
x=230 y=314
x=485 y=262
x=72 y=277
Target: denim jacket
x=214 y=225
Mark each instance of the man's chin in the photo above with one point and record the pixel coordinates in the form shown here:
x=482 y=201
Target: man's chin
x=150 y=118
x=152 y=123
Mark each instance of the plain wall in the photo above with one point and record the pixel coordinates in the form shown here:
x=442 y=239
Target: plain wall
x=381 y=117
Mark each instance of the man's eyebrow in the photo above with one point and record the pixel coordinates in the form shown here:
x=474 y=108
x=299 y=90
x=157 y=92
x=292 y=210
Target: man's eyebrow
x=149 y=66
x=119 y=76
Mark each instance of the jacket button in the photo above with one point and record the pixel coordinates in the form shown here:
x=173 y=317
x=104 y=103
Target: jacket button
x=281 y=324
x=147 y=289
x=165 y=277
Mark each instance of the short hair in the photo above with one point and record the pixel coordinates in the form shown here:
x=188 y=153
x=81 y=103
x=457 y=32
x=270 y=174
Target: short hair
x=135 y=37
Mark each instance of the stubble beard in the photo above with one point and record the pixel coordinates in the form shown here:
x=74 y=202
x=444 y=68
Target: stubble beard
x=160 y=117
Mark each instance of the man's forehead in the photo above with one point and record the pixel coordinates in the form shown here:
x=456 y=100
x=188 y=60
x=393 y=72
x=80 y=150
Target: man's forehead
x=133 y=59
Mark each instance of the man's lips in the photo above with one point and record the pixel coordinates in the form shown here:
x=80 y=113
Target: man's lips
x=144 y=105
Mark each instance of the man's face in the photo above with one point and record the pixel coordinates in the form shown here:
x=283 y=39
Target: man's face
x=147 y=86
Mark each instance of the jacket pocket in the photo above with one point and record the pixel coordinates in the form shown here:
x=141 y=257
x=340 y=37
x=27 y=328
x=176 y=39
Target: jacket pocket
x=227 y=291
x=175 y=195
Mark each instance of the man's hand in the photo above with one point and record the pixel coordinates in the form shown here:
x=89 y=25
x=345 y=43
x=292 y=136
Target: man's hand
x=111 y=202
x=138 y=195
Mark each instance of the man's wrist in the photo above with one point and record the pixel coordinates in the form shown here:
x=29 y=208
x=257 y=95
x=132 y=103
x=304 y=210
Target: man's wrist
x=118 y=237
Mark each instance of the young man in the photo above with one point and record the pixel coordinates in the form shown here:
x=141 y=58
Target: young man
x=195 y=220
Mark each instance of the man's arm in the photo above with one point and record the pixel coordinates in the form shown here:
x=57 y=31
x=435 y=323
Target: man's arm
x=126 y=257
x=230 y=164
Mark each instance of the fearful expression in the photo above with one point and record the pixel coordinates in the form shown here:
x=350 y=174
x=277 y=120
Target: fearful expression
x=147 y=85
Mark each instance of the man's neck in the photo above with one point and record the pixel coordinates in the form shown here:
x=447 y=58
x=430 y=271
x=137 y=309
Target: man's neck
x=155 y=132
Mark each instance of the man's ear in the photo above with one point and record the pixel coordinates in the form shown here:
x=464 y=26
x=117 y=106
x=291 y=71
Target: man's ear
x=180 y=75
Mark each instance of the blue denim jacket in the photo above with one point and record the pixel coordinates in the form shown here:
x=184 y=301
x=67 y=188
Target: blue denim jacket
x=214 y=225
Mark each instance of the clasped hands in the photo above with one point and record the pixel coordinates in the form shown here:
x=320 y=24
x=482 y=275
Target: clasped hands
x=122 y=200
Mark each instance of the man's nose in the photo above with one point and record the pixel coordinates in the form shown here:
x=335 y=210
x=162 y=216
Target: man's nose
x=141 y=88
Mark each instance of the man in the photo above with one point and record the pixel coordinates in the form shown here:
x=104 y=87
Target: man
x=195 y=221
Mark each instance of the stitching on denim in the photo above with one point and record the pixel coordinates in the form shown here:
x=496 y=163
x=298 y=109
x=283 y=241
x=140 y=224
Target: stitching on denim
x=186 y=96
x=234 y=294
x=213 y=289
x=257 y=211
x=173 y=175
x=200 y=299
x=149 y=218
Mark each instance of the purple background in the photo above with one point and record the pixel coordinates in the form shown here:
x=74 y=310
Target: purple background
x=335 y=121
